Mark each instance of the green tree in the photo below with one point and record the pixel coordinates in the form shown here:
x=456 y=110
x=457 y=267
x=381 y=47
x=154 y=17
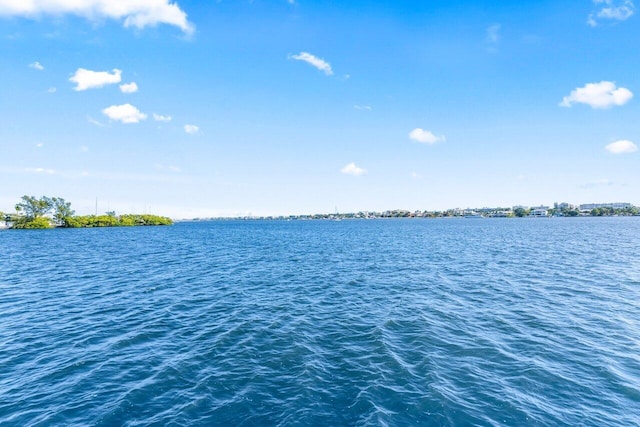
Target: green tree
x=39 y=222
x=30 y=212
x=33 y=208
x=62 y=212
x=520 y=212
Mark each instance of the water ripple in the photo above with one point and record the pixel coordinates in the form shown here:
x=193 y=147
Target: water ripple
x=496 y=322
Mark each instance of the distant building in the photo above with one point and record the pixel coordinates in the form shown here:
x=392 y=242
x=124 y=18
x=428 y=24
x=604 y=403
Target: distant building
x=617 y=205
x=565 y=205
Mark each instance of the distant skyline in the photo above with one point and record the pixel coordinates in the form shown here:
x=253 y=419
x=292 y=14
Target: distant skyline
x=232 y=108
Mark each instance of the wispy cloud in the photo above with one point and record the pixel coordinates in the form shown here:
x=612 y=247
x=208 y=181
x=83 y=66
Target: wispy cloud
x=161 y=118
x=44 y=171
x=36 y=65
x=52 y=90
x=125 y=113
x=623 y=146
x=352 y=169
x=133 y=13
x=116 y=176
x=613 y=10
x=129 y=87
x=170 y=168
x=425 y=136
x=129 y=177
x=598 y=95
x=493 y=37
x=598 y=183
x=313 y=60
x=94 y=121
x=191 y=129
x=87 y=79
x=362 y=107
x=493 y=33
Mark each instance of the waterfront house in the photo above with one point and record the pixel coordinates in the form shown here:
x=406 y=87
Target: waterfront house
x=539 y=211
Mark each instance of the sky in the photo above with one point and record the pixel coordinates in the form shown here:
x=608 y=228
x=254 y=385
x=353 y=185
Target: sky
x=237 y=107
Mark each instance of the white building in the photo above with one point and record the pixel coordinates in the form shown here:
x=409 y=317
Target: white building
x=539 y=211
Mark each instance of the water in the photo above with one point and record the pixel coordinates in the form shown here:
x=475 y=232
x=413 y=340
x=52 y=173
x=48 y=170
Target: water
x=383 y=322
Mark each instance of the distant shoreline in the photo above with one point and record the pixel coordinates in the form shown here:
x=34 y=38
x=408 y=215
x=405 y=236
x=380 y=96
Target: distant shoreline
x=559 y=210
x=347 y=218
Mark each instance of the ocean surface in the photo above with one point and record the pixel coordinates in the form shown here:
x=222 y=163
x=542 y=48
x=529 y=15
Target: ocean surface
x=461 y=322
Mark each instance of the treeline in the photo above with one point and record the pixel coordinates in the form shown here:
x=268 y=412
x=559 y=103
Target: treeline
x=607 y=211
x=128 y=220
x=49 y=212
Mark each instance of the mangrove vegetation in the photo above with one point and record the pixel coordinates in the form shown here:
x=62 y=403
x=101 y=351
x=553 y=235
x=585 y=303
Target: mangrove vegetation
x=55 y=212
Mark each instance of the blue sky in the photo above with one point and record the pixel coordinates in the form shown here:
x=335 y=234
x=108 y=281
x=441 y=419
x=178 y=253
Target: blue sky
x=278 y=107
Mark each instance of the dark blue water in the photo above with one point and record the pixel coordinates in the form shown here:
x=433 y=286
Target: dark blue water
x=383 y=322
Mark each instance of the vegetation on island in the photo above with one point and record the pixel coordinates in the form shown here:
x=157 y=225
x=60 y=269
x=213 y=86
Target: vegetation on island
x=50 y=212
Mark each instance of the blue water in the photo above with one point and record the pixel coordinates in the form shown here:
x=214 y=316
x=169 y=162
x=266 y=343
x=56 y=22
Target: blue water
x=380 y=322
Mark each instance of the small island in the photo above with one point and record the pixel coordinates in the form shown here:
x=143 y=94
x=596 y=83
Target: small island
x=55 y=212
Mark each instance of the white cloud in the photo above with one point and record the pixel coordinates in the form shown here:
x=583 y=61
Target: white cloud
x=416 y=175
x=612 y=10
x=84 y=149
x=362 y=107
x=161 y=118
x=39 y=145
x=313 y=60
x=134 y=13
x=52 y=90
x=87 y=79
x=621 y=147
x=598 y=95
x=191 y=129
x=129 y=87
x=352 y=169
x=125 y=113
x=36 y=65
x=425 y=136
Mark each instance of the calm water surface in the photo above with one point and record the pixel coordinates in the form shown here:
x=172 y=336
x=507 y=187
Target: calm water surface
x=384 y=322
